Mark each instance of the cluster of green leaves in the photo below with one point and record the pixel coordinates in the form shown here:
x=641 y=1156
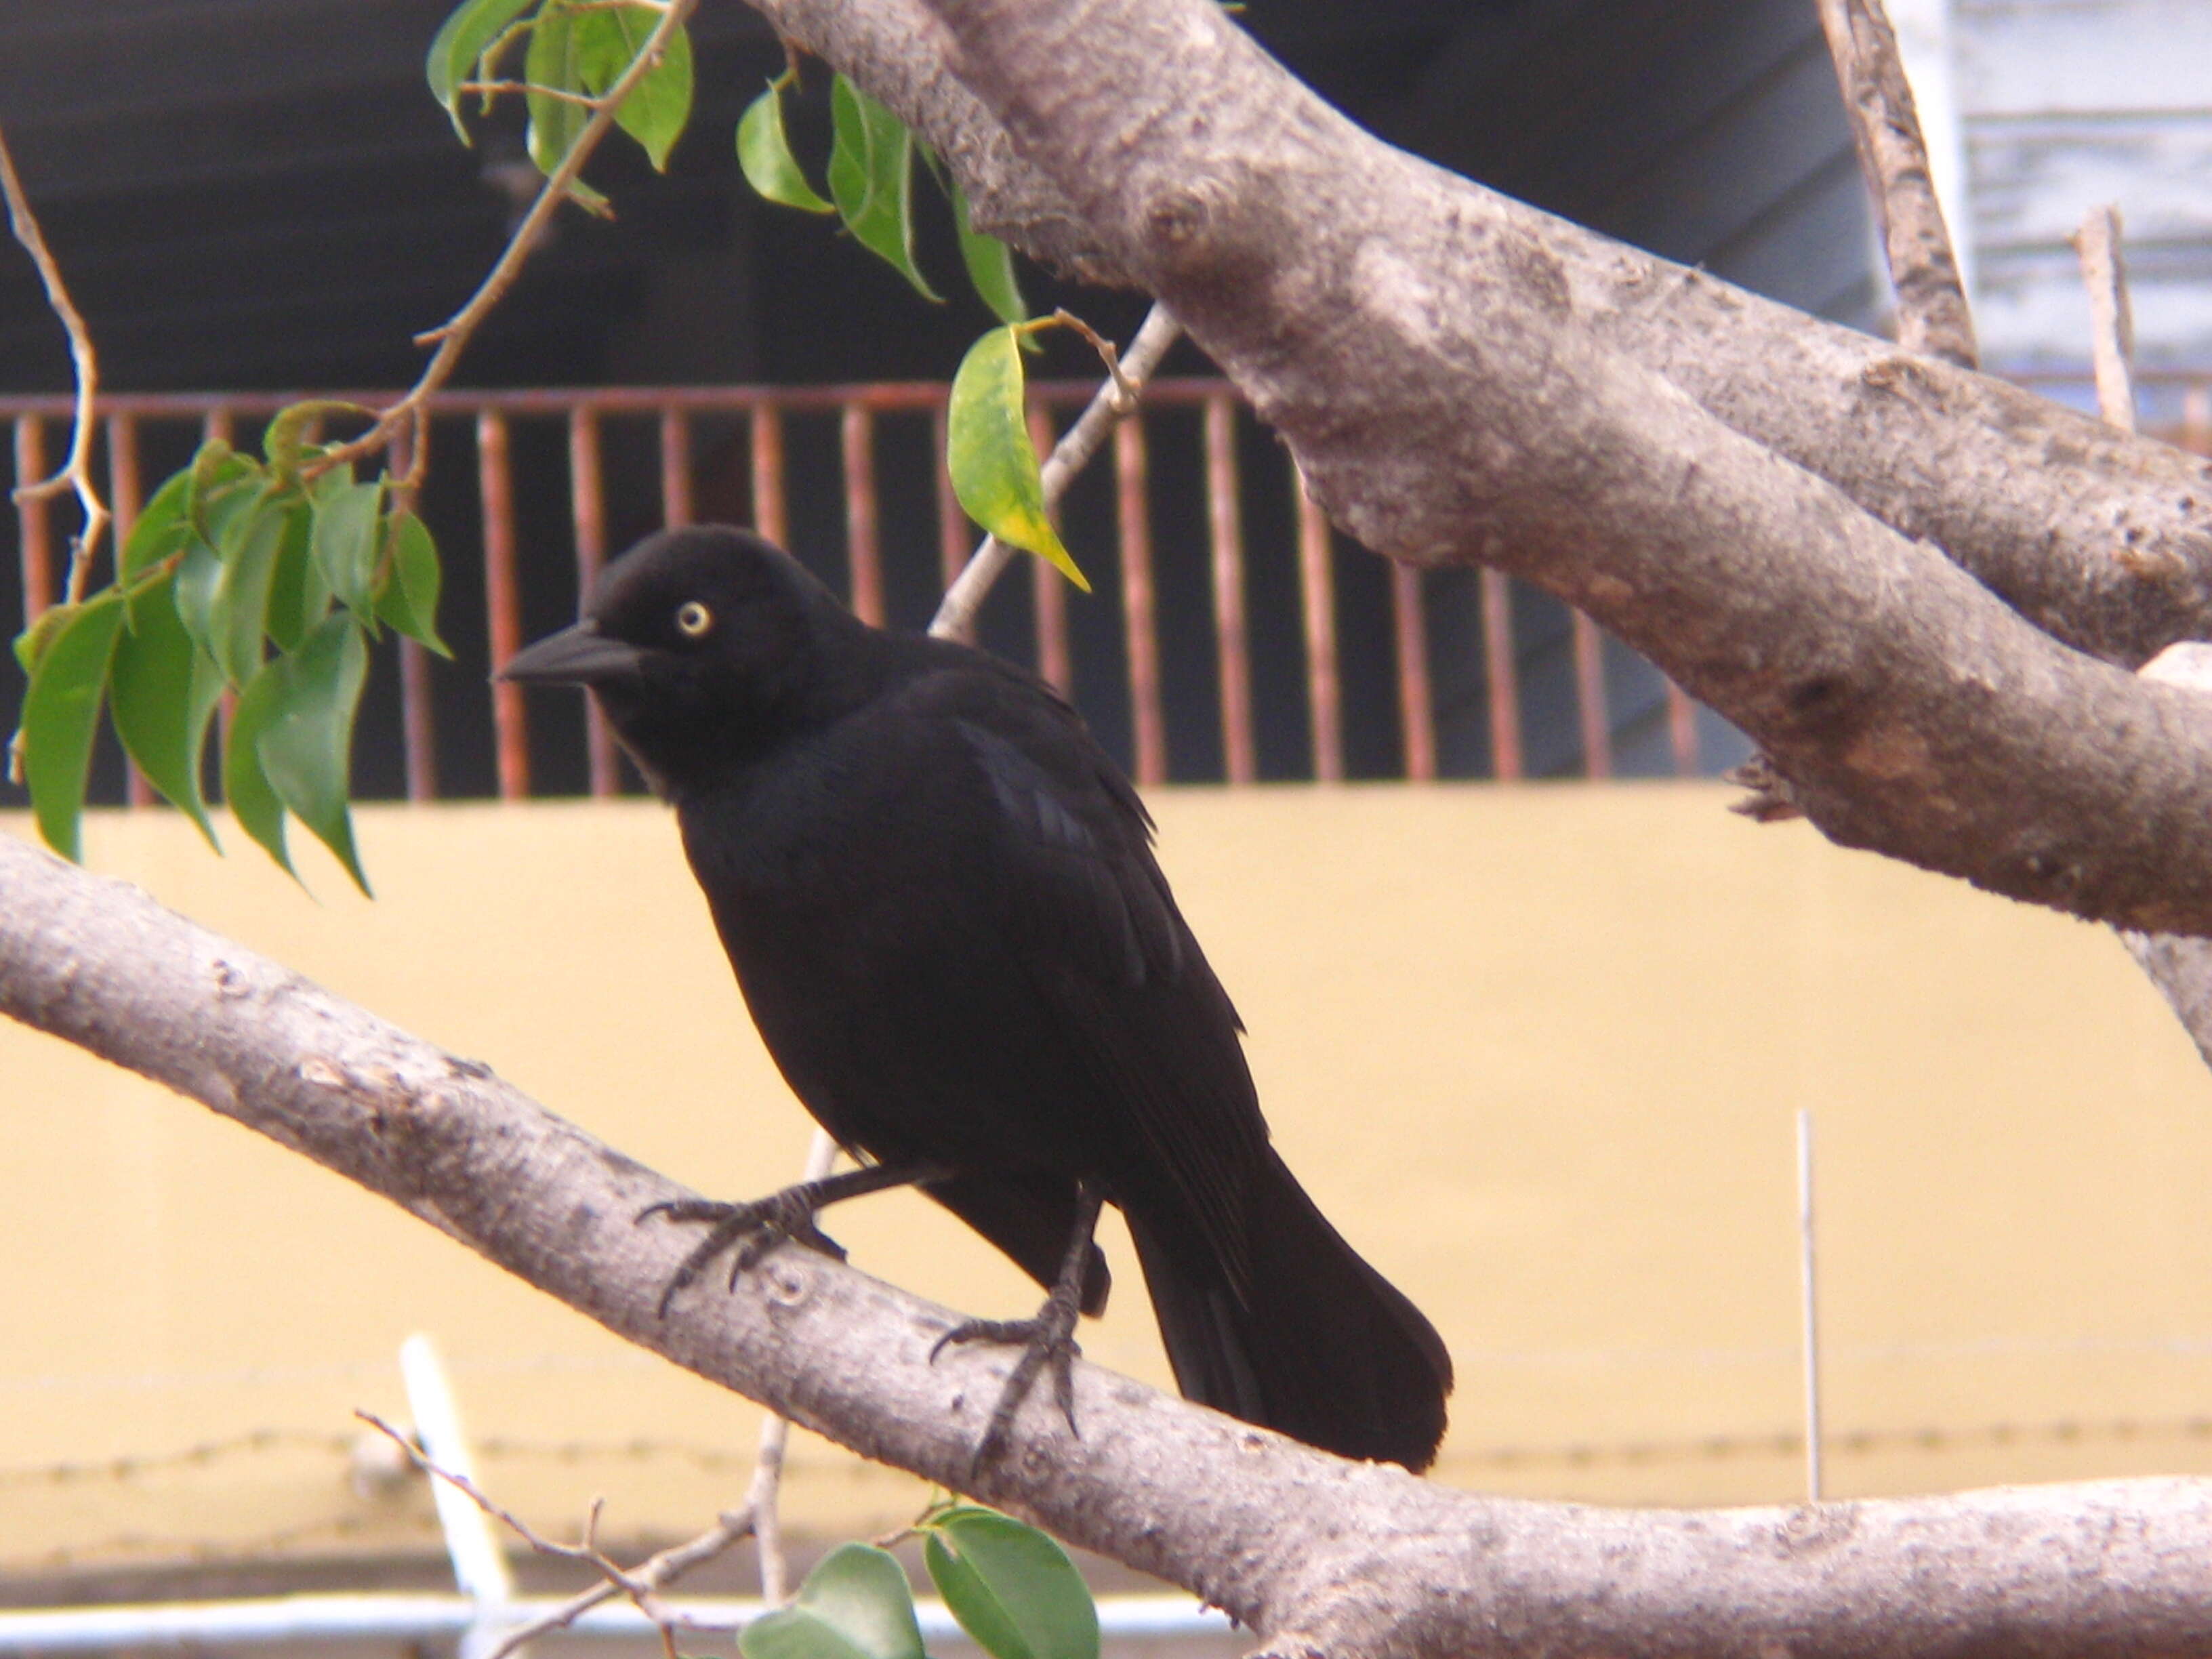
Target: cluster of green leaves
x=572 y=53
x=1012 y=1589
x=871 y=173
x=264 y=577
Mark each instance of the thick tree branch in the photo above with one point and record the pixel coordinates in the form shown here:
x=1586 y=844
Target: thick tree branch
x=1428 y=363
x=2103 y=540
x=1317 y=1555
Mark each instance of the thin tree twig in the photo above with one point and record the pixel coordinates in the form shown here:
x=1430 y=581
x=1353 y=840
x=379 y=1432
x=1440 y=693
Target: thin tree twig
x=640 y=1584
x=762 y=1499
x=452 y=337
x=1932 y=314
x=955 y=614
x=2180 y=965
x=2111 y=318
x=76 y=471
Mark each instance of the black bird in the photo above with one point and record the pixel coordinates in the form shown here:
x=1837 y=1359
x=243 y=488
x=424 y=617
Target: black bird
x=938 y=895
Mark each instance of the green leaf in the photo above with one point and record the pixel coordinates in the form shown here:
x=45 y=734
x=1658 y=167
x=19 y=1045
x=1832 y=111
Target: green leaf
x=765 y=158
x=854 y=1605
x=554 y=60
x=407 y=600
x=345 y=541
x=299 y=594
x=1013 y=1588
x=163 y=691
x=31 y=644
x=218 y=474
x=253 y=801
x=306 y=744
x=990 y=264
x=240 y=617
x=871 y=178
x=284 y=442
x=659 y=105
x=987 y=450
x=473 y=25
x=199 y=576
x=61 y=712
x=162 y=528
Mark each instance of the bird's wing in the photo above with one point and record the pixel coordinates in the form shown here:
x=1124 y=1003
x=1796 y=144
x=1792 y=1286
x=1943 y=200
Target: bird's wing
x=1079 y=900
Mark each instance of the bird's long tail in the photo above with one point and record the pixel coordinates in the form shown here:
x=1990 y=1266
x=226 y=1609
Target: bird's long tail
x=1321 y=1347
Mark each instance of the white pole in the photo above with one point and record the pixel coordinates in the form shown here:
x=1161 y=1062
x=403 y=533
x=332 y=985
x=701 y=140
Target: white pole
x=1808 y=1280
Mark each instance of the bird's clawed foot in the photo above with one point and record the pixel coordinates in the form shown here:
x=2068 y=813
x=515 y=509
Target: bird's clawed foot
x=747 y=1231
x=1048 y=1340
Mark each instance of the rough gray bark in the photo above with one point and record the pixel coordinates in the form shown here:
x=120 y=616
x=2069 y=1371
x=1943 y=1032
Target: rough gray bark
x=1424 y=350
x=1314 y=1554
x=2103 y=540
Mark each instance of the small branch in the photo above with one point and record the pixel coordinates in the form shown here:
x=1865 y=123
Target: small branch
x=76 y=471
x=452 y=336
x=955 y=614
x=641 y=1584
x=1125 y=400
x=1932 y=315
x=531 y=89
x=2111 y=318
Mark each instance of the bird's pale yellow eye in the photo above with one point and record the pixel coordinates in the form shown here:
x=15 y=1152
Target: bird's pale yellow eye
x=693 y=618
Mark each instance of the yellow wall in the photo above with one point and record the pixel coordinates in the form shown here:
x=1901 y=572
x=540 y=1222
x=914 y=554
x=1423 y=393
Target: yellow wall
x=1537 y=1050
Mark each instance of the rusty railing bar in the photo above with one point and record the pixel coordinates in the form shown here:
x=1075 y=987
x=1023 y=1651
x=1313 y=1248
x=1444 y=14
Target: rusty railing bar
x=35 y=522
x=1047 y=587
x=1590 y=710
x=1317 y=600
x=587 y=507
x=955 y=540
x=1139 y=608
x=764 y=443
x=502 y=604
x=675 y=466
x=418 y=743
x=1501 y=676
x=126 y=496
x=864 y=561
x=1225 y=526
x=1417 y=716
x=1682 y=730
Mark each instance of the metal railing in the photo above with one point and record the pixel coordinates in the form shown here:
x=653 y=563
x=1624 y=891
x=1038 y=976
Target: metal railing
x=1315 y=659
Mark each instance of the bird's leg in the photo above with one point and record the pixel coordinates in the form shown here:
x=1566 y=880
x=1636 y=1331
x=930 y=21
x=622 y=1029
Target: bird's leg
x=1046 y=1339
x=755 y=1229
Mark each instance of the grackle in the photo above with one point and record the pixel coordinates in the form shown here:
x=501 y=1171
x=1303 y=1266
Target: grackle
x=940 y=898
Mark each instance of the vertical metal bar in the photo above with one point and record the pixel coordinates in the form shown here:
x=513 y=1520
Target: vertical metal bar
x=35 y=523
x=769 y=518
x=856 y=436
x=1140 y=611
x=1808 y=1287
x=1225 y=522
x=418 y=739
x=1047 y=589
x=588 y=509
x=1416 y=712
x=1501 y=677
x=954 y=541
x=2197 y=420
x=675 y=467
x=124 y=497
x=502 y=605
x=1682 y=730
x=1317 y=595
x=1589 y=698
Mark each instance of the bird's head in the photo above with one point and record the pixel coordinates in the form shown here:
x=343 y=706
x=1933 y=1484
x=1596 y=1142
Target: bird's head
x=705 y=645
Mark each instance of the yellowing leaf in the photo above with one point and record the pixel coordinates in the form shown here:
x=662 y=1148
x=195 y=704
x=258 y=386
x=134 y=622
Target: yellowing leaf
x=987 y=450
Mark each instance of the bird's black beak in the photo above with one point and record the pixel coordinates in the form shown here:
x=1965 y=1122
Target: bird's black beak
x=575 y=656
